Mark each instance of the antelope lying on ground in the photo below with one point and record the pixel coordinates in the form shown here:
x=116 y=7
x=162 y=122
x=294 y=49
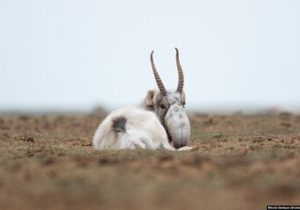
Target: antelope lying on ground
x=160 y=120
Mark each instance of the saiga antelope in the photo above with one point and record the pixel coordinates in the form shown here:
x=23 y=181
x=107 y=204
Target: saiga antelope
x=160 y=121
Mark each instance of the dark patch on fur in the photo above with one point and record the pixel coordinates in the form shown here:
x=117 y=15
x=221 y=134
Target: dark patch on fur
x=119 y=124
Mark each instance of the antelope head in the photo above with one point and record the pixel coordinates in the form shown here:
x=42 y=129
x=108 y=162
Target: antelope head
x=169 y=106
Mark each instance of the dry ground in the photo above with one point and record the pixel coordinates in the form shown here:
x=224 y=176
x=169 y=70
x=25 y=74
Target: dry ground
x=243 y=162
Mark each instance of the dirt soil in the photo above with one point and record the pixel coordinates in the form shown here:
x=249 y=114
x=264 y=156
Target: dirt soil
x=243 y=162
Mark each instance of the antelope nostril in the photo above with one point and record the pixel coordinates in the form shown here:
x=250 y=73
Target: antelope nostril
x=178 y=145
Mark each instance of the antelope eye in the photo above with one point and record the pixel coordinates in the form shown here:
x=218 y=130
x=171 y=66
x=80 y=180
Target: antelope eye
x=162 y=106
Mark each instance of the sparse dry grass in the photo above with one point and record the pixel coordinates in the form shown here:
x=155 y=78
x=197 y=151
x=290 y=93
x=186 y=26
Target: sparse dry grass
x=243 y=162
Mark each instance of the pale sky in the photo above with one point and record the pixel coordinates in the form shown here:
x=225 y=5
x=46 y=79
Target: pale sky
x=71 y=54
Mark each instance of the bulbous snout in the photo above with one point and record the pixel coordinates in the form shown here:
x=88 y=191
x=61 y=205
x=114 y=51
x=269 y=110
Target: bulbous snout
x=178 y=126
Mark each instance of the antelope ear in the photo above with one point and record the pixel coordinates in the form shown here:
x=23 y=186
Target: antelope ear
x=149 y=98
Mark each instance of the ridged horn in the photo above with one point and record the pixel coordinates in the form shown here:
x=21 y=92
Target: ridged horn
x=180 y=73
x=160 y=84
